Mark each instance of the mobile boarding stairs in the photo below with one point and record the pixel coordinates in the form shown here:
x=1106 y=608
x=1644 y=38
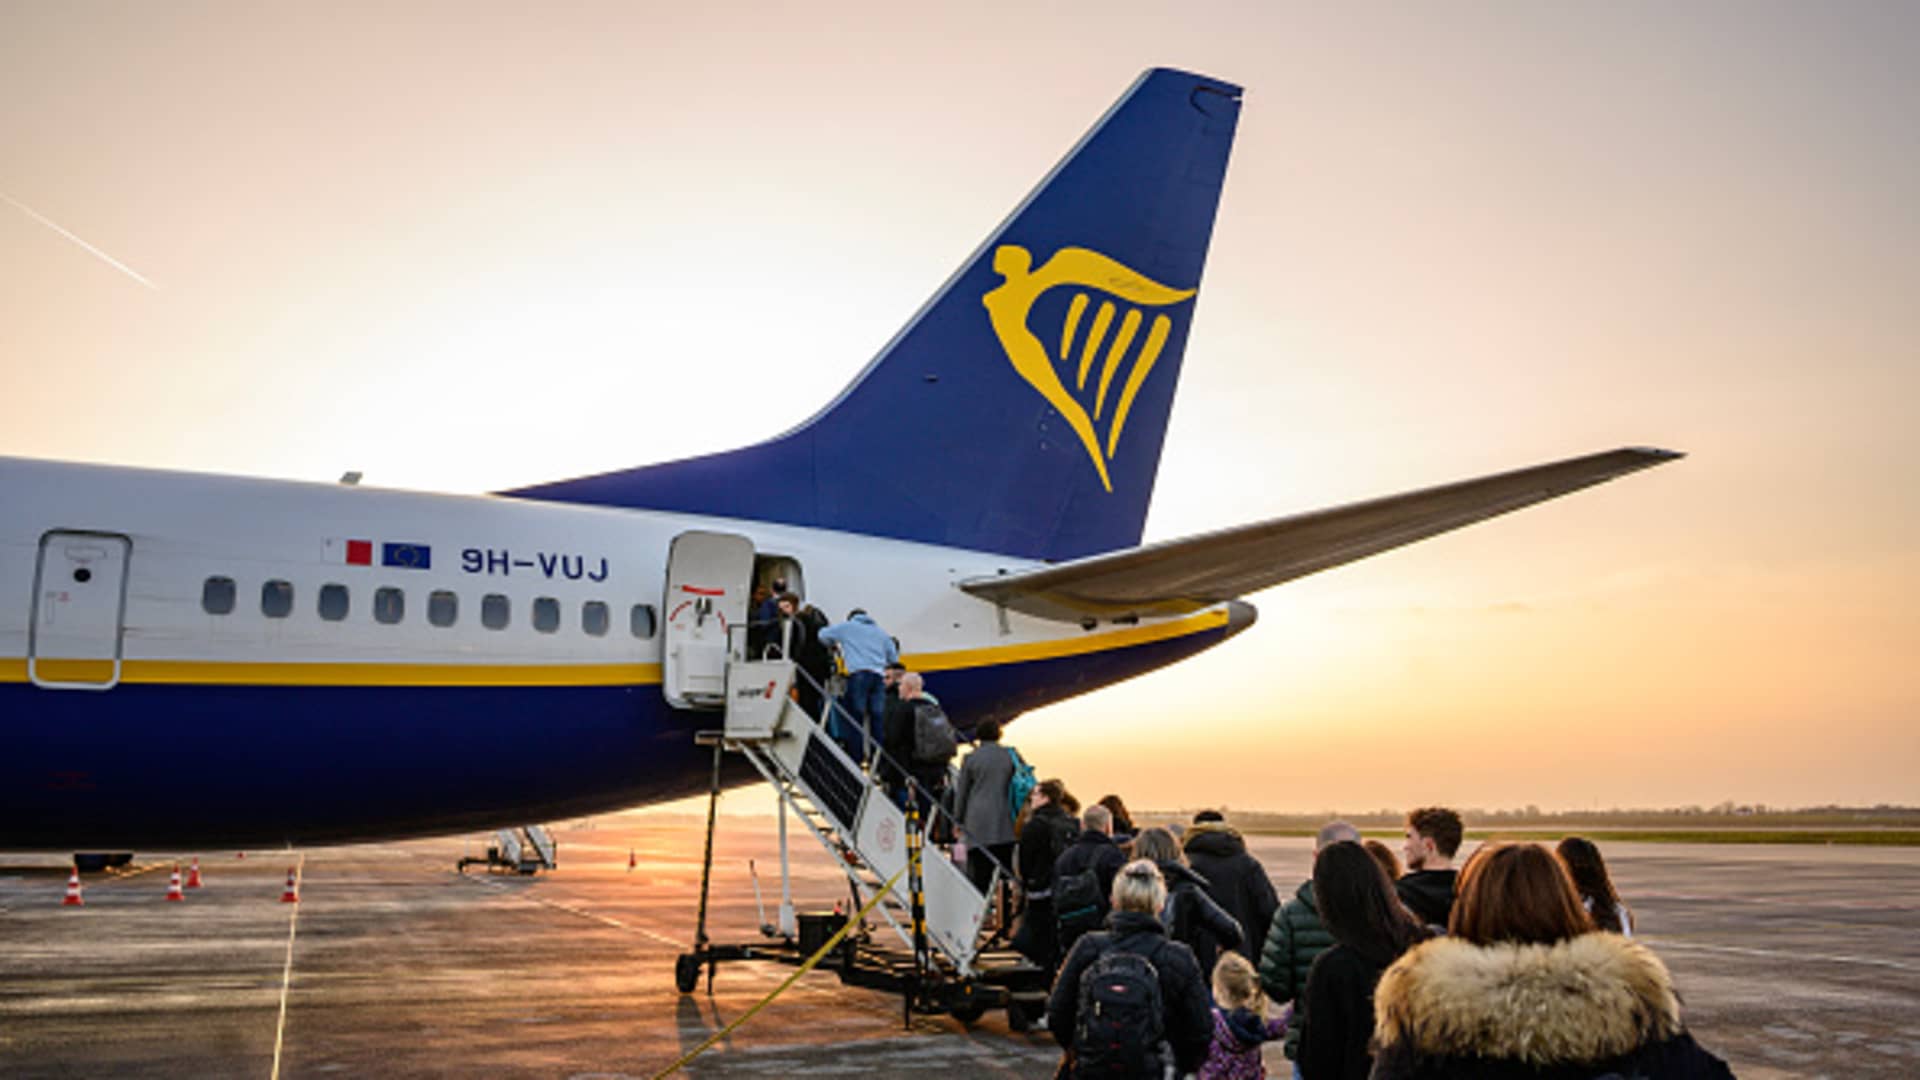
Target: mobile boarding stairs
x=928 y=941
x=524 y=849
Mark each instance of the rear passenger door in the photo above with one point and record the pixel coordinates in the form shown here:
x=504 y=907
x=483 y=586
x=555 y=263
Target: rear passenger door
x=79 y=604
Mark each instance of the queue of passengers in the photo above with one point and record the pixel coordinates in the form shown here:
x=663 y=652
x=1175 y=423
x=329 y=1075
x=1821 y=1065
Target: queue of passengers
x=1519 y=963
x=1173 y=956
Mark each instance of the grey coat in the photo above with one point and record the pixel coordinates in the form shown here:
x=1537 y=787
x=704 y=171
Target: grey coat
x=981 y=799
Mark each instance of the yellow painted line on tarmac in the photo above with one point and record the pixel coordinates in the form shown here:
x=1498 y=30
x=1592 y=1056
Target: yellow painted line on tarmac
x=136 y=871
x=286 y=973
x=853 y=920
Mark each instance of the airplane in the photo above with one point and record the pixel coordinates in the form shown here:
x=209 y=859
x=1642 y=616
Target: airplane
x=192 y=660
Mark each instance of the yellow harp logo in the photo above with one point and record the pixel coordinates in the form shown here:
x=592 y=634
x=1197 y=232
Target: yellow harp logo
x=1007 y=308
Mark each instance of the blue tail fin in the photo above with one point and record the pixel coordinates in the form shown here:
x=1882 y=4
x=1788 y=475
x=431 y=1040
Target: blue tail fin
x=1023 y=409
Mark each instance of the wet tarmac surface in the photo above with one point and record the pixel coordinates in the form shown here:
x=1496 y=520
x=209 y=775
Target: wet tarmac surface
x=1793 y=961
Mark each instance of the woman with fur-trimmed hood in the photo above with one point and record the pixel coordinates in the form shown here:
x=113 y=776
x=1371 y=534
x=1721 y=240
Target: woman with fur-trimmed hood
x=1523 y=986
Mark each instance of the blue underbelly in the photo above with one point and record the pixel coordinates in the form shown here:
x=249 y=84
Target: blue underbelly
x=146 y=766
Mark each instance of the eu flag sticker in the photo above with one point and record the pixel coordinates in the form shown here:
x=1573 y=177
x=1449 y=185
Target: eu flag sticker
x=407 y=556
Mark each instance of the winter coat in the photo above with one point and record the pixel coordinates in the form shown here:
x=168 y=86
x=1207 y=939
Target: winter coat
x=1595 y=1005
x=980 y=802
x=897 y=740
x=1296 y=939
x=1094 y=850
x=1236 y=880
x=1428 y=894
x=1337 y=1020
x=1048 y=831
x=1194 y=919
x=1046 y=834
x=1183 y=992
x=809 y=651
x=863 y=645
x=1234 y=1053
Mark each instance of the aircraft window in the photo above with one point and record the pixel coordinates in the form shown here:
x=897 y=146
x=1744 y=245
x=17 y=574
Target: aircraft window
x=443 y=607
x=333 y=602
x=641 y=620
x=594 y=618
x=494 y=611
x=389 y=604
x=216 y=596
x=546 y=614
x=276 y=599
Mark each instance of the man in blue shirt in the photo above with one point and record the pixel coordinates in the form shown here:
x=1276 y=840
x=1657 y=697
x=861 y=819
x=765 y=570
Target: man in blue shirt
x=866 y=650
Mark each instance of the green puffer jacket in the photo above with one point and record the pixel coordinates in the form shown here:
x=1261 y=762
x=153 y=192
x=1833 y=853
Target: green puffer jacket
x=1295 y=938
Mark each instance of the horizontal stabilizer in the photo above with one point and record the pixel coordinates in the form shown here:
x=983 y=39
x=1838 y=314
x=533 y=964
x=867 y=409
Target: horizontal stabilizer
x=1184 y=575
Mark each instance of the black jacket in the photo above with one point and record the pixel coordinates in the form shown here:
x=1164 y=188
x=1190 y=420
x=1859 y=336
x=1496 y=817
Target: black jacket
x=1194 y=919
x=1596 y=1005
x=897 y=742
x=1338 y=1016
x=1094 y=850
x=1188 y=1022
x=809 y=651
x=1235 y=880
x=1428 y=894
x=1043 y=840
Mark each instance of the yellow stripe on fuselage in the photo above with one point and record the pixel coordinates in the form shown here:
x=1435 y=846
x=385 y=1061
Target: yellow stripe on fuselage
x=1076 y=646
x=363 y=674
x=249 y=673
x=74 y=671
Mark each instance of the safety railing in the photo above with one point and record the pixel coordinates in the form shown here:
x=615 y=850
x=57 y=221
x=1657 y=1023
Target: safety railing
x=882 y=769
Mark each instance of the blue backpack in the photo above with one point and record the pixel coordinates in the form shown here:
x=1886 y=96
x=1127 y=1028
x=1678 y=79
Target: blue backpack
x=1020 y=788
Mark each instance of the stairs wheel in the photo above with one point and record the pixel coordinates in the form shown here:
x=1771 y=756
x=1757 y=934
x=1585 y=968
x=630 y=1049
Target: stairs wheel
x=686 y=973
x=968 y=1011
x=1017 y=1018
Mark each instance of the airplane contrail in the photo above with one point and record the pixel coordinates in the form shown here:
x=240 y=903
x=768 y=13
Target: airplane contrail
x=96 y=252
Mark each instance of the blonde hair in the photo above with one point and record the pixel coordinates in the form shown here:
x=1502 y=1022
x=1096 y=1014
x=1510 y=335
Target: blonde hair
x=1139 y=887
x=1236 y=985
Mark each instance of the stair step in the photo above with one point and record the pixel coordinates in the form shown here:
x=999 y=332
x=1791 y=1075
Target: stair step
x=800 y=759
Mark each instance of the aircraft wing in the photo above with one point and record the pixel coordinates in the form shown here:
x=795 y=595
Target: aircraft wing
x=1177 y=576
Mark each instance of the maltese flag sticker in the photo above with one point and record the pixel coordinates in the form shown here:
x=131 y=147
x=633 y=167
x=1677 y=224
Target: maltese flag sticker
x=349 y=552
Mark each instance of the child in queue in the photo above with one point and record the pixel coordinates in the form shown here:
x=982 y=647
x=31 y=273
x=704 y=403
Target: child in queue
x=1240 y=1022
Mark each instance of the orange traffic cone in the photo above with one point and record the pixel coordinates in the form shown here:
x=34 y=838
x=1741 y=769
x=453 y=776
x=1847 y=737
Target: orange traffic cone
x=292 y=895
x=173 y=886
x=633 y=860
x=73 y=890
x=193 y=874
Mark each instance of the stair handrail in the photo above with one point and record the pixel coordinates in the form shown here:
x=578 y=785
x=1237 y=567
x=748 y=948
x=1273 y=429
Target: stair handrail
x=880 y=764
x=939 y=803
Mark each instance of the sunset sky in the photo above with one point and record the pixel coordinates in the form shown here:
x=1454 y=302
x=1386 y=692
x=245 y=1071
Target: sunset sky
x=463 y=247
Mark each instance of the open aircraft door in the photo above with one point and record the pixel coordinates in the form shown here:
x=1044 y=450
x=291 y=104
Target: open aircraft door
x=708 y=577
x=79 y=598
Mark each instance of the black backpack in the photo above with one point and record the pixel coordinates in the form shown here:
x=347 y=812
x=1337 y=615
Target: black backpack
x=1076 y=905
x=1120 y=1027
x=933 y=740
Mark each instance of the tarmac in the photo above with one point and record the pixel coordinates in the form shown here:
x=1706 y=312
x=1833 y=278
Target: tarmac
x=1793 y=962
